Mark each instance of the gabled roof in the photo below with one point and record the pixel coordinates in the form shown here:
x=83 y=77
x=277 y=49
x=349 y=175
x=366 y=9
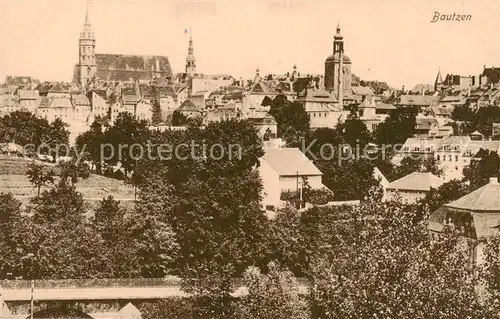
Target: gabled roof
x=416 y=181
x=290 y=162
x=423 y=123
x=57 y=88
x=130 y=99
x=385 y=106
x=261 y=87
x=80 y=99
x=188 y=106
x=64 y=102
x=362 y=90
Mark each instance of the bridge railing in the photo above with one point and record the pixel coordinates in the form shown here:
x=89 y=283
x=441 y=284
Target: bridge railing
x=104 y=283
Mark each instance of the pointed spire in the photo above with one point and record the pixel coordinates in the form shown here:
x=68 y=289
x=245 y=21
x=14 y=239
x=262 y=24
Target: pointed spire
x=190 y=48
x=87 y=21
x=338 y=27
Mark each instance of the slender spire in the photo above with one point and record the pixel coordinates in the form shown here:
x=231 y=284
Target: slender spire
x=338 y=27
x=190 y=48
x=87 y=21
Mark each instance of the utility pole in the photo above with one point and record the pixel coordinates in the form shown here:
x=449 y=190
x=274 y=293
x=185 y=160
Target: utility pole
x=32 y=303
x=1 y=300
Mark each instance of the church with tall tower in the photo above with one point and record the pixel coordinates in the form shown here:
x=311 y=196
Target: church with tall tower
x=338 y=69
x=87 y=63
x=95 y=67
x=190 y=58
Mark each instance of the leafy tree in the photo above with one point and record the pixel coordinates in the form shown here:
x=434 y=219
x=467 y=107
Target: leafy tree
x=396 y=128
x=354 y=131
x=178 y=119
x=121 y=137
x=57 y=138
x=39 y=176
x=484 y=165
x=272 y=295
x=293 y=121
x=73 y=170
x=210 y=196
x=446 y=193
x=410 y=165
x=10 y=214
x=55 y=240
x=23 y=128
x=462 y=113
x=376 y=262
x=90 y=143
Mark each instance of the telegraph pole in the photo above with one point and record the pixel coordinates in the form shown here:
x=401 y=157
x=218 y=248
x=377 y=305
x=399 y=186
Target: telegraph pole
x=32 y=302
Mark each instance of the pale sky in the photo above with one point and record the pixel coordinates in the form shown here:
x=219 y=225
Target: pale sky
x=392 y=41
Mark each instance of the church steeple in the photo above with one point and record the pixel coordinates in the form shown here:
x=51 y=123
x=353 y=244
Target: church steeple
x=438 y=84
x=87 y=60
x=190 y=59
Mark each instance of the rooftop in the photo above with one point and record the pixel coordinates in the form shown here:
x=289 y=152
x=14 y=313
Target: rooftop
x=290 y=162
x=416 y=181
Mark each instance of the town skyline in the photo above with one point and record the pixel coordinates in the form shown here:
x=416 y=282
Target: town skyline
x=264 y=35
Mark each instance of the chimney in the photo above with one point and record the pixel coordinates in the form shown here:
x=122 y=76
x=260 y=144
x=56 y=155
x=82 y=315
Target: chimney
x=493 y=180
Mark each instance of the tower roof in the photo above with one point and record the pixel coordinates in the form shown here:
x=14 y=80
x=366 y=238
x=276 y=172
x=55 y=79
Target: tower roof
x=484 y=199
x=338 y=35
x=439 y=78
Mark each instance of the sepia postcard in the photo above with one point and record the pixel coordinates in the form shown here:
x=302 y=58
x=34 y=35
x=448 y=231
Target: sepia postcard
x=249 y=159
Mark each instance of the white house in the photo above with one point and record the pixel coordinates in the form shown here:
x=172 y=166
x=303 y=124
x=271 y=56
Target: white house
x=413 y=187
x=475 y=215
x=283 y=169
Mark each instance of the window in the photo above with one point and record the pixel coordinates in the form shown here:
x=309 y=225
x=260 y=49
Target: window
x=438 y=158
x=456 y=158
x=449 y=158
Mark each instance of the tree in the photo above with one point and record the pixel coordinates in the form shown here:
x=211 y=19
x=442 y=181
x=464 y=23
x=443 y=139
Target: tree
x=126 y=133
x=56 y=241
x=10 y=214
x=410 y=165
x=178 y=119
x=39 y=176
x=293 y=121
x=446 y=193
x=354 y=131
x=484 y=165
x=272 y=295
x=377 y=262
x=73 y=170
x=210 y=197
x=90 y=143
x=23 y=128
x=396 y=128
x=56 y=136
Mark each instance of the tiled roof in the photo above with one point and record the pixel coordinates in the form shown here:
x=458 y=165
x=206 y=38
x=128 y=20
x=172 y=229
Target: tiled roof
x=28 y=95
x=130 y=99
x=44 y=102
x=261 y=87
x=164 y=91
x=319 y=96
x=422 y=123
x=443 y=111
x=362 y=90
x=118 y=67
x=58 y=88
x=63 y=102
x=423 y=145
x=454 y=143
x=80 y=99
x=484 y=199
x=188 y=106
x=416 y=181
x=424 y=100
x=290 y=162
x=385 y=106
